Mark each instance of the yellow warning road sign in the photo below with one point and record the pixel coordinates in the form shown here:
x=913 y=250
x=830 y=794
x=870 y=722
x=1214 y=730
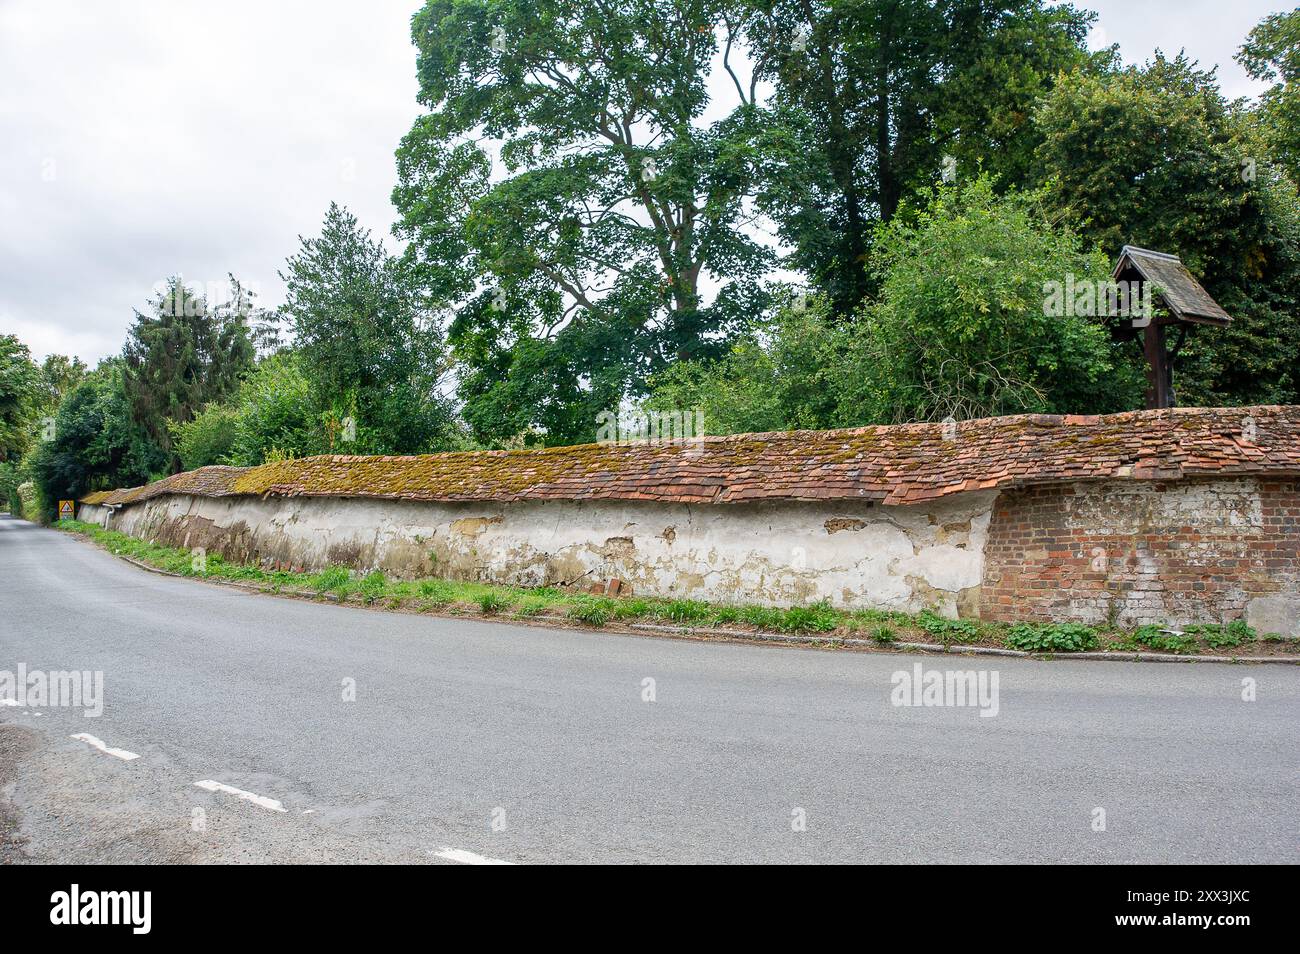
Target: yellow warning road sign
x=66 y=509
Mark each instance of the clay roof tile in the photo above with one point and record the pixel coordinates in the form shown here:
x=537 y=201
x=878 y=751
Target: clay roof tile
x=892 y=464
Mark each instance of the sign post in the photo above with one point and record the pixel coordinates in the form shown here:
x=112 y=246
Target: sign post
x=67 y=509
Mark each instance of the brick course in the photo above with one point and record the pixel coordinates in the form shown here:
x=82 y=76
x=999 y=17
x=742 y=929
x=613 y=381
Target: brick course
x=1128 y=554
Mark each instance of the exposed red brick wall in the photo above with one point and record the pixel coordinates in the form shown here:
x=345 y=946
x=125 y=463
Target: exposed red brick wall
x=1144 y=552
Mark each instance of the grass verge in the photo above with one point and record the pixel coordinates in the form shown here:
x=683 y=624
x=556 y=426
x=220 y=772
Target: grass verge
x=884 y=627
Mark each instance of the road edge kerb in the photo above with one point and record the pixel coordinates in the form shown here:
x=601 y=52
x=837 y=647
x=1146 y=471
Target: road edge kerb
x=959 y=650
x=766 y=637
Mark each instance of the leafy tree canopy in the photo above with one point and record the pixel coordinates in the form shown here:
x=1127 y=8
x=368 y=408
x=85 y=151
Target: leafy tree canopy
x=779 y=375
x=97 y=444
x=366 y=342
x=960 y=327
x=275 y=415
x=182 y=355
x=875 y=94
x=963 y=325
x=1272 y=53
x=20 y=395
x=622 y=192
x=59 y=375
x=1156 y=157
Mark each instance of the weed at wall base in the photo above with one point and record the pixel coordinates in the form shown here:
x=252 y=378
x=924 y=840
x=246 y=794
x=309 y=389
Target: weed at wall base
x=884 y=627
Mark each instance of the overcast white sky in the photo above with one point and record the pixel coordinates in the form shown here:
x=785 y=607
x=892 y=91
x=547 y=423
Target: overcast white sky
x=144 y=138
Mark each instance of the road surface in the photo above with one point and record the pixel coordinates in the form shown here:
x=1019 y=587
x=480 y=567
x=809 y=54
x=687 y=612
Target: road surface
x=470 y=741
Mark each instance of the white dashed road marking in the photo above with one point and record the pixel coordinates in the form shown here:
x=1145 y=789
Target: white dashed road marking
x=261 y=801
x=461 y=856
x=95 y=743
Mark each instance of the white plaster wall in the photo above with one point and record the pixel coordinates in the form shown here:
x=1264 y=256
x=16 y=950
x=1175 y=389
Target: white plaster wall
x=854 y=555
x=92 y=513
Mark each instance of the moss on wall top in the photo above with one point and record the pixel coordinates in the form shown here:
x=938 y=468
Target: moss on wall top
x=899 y=464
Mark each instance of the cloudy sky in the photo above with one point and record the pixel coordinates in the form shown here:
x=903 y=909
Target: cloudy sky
x=144 y=138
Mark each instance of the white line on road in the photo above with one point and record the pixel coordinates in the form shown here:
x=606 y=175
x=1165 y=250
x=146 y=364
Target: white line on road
x=261 y=801
x=461 y=856
x=95 y=743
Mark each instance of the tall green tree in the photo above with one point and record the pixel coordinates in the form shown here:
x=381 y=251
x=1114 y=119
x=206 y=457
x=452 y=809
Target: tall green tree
x=573 y=192
x=962 y=325
x=20 y=396
x=1272 y=53
x=97 y=443
x=876 y=95
x=780 y=374
x=182 y=355
x=59 y=375
x=367 y=342
x=1156 y=157
x=276 y=414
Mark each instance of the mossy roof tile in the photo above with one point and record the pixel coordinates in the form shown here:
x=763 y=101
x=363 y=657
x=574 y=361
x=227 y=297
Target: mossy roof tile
x=892 y=464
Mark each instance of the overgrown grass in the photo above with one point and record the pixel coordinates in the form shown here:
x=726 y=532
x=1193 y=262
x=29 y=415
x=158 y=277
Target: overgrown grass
x=818 y=618
x=532 y=606
x=594 y=611
x=334 y=579
x=436 y=592
x=684 y=611
x=884 y=634
x=373 y=586
x=884 y=627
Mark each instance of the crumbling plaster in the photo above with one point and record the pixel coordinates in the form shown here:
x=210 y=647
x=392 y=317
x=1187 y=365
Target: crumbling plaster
x=854 y=555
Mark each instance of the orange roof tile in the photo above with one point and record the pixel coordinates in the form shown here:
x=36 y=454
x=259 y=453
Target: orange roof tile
x=896 y=464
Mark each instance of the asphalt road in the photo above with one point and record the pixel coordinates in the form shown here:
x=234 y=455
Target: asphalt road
x=469 y=740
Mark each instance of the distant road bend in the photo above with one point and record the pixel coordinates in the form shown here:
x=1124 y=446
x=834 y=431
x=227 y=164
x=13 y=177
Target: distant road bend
x=269 y=729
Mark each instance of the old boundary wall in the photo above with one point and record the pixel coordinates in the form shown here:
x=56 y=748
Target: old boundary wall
x=1180 y=516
